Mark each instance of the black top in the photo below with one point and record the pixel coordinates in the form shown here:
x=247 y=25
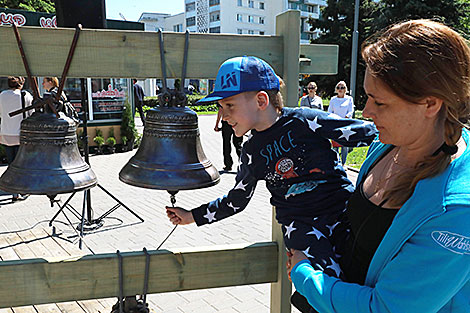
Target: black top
x=369 y=223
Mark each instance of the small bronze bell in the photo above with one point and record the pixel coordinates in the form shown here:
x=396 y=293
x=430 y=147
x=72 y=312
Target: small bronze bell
x=48 y=161
x=170 y=156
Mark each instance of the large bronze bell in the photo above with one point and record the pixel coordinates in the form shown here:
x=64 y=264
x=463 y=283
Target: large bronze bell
x=48 y=161
x=170 y=156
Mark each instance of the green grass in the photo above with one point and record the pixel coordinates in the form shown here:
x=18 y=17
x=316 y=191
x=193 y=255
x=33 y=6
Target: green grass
x=356 y=157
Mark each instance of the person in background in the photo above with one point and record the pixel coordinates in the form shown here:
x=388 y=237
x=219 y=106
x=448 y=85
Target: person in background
x=312 y=100
x=51 y=85
x=139 y=100
x=13 y=99
x=343 y=106
x=409 y=249
x=228 y=137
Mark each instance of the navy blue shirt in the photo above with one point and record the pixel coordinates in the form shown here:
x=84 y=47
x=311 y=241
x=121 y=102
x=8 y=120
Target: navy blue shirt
x=295 y=158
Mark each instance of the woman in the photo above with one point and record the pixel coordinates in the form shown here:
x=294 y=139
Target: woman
x=343 y=106
x=410 y=214
x=13 y=99
x=312 y=100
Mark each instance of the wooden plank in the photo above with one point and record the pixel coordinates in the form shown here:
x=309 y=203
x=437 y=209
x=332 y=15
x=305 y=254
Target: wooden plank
x=117 y=53
x=37 y=281
x=324 y=59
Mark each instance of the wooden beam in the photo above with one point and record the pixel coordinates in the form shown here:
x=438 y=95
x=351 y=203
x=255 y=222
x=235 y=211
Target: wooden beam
x=38 y=281
x=121 y=54
x=116 y=53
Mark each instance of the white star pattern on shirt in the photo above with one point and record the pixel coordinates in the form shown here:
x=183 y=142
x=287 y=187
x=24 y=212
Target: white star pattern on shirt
x=307 y=254
x=316 y=232
x=347 y=132
x=250 y=159
x=210 y=216
x=372 y=130
x=335 y=267
x=240 y=185
x=362 y=144
x=332 y=227
x=230 y=204
x=289 y=229
x=314 y=124
x=251 y=193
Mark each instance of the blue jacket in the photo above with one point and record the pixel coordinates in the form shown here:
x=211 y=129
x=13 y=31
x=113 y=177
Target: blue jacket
x=423 y=262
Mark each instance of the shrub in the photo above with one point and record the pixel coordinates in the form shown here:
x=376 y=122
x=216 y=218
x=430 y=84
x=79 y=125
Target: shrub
x=127 y=125
x=111 y=141
x=124 y=140
x=99 y=140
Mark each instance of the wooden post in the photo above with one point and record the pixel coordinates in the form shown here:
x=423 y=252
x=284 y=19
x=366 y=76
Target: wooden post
x=282 y=289
x=287 y=26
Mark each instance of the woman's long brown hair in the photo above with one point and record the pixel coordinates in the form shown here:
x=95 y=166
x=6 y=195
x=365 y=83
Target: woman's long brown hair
x=418 y=59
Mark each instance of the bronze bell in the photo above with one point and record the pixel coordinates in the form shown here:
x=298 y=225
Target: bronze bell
x=170 y=156
x=48 y=161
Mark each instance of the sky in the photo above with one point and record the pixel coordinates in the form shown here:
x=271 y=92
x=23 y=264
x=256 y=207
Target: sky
x=132 y=9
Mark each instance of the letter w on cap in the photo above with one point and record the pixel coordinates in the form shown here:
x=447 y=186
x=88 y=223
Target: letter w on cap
x=229 y=80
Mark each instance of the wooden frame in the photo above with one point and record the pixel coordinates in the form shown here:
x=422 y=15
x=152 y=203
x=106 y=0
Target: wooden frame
x=110 y=53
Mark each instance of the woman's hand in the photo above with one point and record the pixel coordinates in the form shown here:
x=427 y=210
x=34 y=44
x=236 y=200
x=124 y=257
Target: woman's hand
x=294 y=257
x=179 y=216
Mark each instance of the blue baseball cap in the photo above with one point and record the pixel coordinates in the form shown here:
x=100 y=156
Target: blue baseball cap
x=241 y=74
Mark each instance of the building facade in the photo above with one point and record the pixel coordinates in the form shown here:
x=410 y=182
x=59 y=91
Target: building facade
x=252 y=17
x=244 y=17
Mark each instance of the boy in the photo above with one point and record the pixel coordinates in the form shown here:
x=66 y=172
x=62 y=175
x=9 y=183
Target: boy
x=290 y=149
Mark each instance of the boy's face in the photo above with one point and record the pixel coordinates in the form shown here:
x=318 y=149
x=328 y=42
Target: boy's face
x=241 y=112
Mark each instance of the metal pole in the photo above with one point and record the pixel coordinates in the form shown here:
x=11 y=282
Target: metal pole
x=355 y=39
x=84 y=96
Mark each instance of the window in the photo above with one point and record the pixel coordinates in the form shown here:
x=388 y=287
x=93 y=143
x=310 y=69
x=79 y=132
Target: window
x=261 y=5
x=261 y=20
x=239 y=17
x=191 y=21
x=251 y=32
x=261 y=33
x=240 y=4
x=178 y=28
x=292 y=6
x=251 y=4
x=239 y=31
x=250 y=19
x=214 y=30
x=215 y=17
x=190 y=6
x=214 y=2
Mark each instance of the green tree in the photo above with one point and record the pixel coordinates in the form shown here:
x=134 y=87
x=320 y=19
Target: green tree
x=336 y=24
x=29 y=5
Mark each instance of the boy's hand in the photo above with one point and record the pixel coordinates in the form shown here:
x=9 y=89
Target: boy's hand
x=294 y=257
x=217 y=128
x=179 y=216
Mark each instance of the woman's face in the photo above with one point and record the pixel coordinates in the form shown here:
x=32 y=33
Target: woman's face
x=340 y=90
x=47 y=84
x=399 y=122
x=311 y=89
